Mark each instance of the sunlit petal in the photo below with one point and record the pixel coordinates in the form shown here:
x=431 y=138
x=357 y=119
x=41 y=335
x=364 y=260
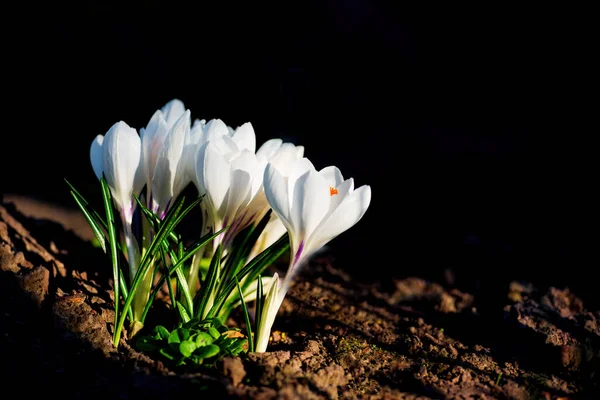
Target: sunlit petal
x=96 y=156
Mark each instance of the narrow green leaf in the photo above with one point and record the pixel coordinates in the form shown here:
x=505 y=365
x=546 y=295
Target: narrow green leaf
x=246 y=317
x=167 y=354
x=87 y=205
x=200 y=243
x=112 y=241
x=98 y=233
x=254 y=268
x=246 y=241
x=185 y=317
x=259 y=302
x=173 y=217
x=212 y=331
x=208 y=285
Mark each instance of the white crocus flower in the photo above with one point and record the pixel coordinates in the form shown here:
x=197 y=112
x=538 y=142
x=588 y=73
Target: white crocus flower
x=231 y=179
x=315 y=207
x=162 y=150
x=165 y=185
x=283 y=155
x=116 y=156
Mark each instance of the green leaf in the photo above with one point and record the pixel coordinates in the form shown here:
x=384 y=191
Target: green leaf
x=185 y=317
x=209 y=284
x=187 y=347
x=112 y=241
x=167 y=353
x=200 y=243
x=146 y=344
x=92 y=217
x=247 y=318
x=254 y=268
x=161 y=332
x=203 y=338
x=210 y=350
x=173 y=217
x=214 y=332
x=178 y=336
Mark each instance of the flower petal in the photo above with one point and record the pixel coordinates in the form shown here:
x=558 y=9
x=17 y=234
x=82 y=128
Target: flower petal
x=276 y=191
x=238 y=194
x=213 y=173
x=214 y=128
x=333 y=175
x=121 y=160
x=153 y=138
x=343 y=217
x=268 y=148
x=163 y=181
x=245 y=137
x=310 y=202
x=172 y=111
x=96 y=156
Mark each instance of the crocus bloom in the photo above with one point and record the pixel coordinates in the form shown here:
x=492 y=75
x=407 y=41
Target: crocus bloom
x=116 y=156
x=162 y=150
x=315 y=207
x=231 y=178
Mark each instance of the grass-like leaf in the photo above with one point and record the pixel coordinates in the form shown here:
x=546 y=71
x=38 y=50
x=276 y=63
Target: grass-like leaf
x=210 y=282
x=187 y=255
x=112 y=241
x=172 y=219
x=253 y=269
x=246 y=317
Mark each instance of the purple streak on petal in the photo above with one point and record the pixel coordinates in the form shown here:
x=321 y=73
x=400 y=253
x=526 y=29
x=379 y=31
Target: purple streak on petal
x=299 y=252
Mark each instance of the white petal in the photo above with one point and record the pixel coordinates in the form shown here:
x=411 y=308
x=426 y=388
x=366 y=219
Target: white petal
x=121 y=159
x=333 y=175
x=343 y=190
x=247 y=161
x=153 y=138
x=96 y=155
x=163 y=181
x=226 y=146
x=310 y=202
x=245 y=137
x=172 y=111
x=276 y=191
x=346 y=215
x=268 y=148
x=213 y=174
x=285 y=158
x=295 y=170
x=215 y=128
x=238 y=195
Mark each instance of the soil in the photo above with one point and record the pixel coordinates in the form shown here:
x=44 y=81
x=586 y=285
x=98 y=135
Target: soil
x=336 y=337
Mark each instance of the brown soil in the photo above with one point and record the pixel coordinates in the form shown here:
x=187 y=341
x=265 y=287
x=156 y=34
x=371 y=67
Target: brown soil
x=334 y=338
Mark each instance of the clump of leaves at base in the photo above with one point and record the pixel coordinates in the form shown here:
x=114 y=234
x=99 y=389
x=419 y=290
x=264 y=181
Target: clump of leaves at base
x=193 y=343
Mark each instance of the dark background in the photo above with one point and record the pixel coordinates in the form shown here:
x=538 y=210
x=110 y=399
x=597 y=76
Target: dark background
x=461 y=119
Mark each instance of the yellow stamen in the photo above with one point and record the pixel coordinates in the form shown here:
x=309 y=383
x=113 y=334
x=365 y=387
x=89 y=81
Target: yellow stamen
x=332 y=191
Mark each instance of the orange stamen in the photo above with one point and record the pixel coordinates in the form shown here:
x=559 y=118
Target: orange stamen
x=332 y=191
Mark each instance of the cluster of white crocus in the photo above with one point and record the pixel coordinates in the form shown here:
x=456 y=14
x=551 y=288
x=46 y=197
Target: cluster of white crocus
x=239 y=183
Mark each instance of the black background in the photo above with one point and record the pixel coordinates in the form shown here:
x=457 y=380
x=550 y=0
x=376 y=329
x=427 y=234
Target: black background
x=463 y=120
